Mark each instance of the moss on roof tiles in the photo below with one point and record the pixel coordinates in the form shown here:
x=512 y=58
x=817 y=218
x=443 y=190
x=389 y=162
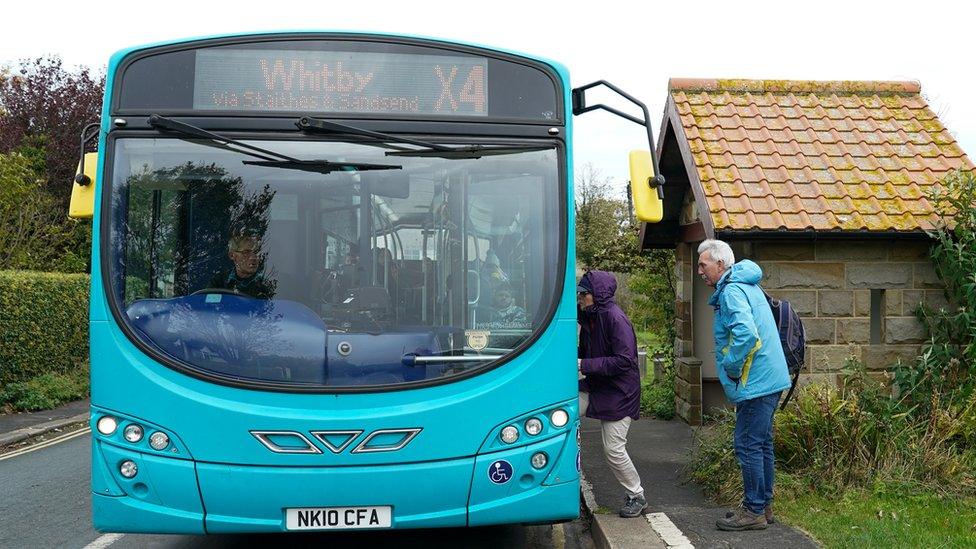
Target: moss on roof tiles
x=851 y=149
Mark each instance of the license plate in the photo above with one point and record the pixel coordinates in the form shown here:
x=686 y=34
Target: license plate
x=339 y=518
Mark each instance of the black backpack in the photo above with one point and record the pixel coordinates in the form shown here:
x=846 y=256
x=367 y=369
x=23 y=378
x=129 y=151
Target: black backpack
x=792 y=336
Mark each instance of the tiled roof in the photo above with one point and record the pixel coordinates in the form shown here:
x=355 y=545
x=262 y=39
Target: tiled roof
x=801 y=155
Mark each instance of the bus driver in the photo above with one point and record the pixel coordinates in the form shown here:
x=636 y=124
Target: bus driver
x=246 y=276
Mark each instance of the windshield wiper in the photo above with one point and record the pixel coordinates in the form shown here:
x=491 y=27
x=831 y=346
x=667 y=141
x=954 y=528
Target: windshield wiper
x=428 y=149
x=265 y=157
x=321 y=166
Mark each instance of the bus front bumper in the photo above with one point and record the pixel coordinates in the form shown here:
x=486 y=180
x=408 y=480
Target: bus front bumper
x=496 y=488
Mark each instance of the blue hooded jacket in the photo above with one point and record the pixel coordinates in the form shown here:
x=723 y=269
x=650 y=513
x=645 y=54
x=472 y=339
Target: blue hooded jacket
x=748 y=354
x=608 y=349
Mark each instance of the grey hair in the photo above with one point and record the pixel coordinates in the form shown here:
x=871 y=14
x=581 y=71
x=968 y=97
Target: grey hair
x=718 y=251
x=235 y=241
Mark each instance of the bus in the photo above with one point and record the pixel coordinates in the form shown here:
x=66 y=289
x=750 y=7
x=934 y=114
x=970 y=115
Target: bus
x=333 y=285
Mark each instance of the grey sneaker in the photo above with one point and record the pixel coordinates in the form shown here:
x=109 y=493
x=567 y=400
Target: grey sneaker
x=768 y=512
x=633 y=507
x=743 y=519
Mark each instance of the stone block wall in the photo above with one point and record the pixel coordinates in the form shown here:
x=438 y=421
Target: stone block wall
x=829 y=283
x=687 y=383
x=688 y=390
x=684 y=279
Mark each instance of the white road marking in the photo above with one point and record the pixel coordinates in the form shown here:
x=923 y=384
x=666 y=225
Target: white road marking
x=46 y=443
x=558 y=536
x=669 y=533
x=104 y=541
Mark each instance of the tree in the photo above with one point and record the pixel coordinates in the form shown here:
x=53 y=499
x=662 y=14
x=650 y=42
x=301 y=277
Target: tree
x=607 y=239
x=43 y=108
x=34 y=234
x=599 y=219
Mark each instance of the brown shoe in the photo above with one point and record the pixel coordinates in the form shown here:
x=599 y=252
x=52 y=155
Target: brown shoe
x=768 y=512
x=742 y=519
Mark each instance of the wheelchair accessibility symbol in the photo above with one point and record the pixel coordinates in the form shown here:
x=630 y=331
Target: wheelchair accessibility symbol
x=500 y=472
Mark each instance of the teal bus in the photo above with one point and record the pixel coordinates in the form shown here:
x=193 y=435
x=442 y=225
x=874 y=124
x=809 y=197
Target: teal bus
x=333 y=286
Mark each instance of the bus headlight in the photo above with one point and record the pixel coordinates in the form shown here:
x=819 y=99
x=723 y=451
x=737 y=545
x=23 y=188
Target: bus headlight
x=539 y=460
x=107 y=425
x=158 y=440
x=132 y=433
x=128 y=468
x=510 y=434
x=559 y=418
x=533 y=426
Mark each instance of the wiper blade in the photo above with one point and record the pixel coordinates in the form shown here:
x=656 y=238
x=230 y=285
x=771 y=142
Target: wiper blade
x=321 y=166
x=162 y=123
x=429 y=149
x=266 y=157
x=307 y=123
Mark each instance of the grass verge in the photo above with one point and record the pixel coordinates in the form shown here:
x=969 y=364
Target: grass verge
x=860 y=518
x=44 y=392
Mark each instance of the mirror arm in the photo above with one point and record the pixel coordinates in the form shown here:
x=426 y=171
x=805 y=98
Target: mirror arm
x=580 y=107
x=86 y=135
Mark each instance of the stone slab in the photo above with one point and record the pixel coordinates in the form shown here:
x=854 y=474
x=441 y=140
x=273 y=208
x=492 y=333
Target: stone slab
x=836 y=303
x=854 y=330
x=804 y=275
x=880 y=275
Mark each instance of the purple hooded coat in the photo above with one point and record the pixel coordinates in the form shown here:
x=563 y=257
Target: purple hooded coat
x=608 y=348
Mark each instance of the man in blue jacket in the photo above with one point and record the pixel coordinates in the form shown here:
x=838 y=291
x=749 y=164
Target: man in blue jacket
x=752 y=369
x=610 y=381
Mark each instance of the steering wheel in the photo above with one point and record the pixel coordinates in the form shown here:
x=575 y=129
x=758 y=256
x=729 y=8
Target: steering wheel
x=219 y=291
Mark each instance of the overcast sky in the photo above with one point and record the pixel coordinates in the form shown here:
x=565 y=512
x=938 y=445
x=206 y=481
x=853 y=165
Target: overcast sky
x=636 y=45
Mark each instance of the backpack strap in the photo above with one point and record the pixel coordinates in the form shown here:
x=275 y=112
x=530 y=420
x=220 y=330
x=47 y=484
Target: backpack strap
x=789 y=393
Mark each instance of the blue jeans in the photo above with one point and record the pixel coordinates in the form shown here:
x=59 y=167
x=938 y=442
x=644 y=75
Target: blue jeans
x=753 y=442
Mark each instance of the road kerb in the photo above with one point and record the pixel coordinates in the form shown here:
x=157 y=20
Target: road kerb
x=589 y=508
x=19 y=435
x=614 y=532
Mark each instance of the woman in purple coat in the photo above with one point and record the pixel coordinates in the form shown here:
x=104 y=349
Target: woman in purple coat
x=610 y=381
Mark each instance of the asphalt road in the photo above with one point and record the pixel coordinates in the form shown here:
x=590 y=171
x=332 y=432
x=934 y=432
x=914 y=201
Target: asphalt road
x=45 y=501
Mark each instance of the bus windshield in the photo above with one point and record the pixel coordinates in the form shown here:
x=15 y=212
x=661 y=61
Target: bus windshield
x=268 y=273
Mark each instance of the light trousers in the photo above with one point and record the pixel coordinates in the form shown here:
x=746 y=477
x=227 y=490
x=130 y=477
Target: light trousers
x=614 y=434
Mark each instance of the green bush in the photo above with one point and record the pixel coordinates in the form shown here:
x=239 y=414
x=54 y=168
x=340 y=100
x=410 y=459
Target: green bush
x=43 y=324
x=657 y=398
x=34 y=231
x=713 y=464
x=829 y=440
x=45 y=391
x=947 y=366
x=657 y=395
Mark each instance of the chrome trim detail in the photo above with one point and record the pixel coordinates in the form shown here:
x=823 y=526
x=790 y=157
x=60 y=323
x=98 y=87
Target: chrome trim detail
x=344 y=348
x=320 y=435
x=450 y=359
x=410 y=434
x=262 y=437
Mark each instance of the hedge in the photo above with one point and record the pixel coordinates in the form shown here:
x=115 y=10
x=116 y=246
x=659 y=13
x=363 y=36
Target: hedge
x=43 y=324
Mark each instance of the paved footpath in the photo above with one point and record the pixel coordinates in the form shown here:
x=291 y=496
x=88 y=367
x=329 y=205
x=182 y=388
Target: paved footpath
x=660 y=450
x=17 y=427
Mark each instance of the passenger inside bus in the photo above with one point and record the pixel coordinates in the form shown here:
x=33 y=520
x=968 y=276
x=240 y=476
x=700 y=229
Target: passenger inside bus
x=507 y=313
x=246 y=274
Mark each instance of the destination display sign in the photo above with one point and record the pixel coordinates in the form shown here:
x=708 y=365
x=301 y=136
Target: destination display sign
x=245 y=80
